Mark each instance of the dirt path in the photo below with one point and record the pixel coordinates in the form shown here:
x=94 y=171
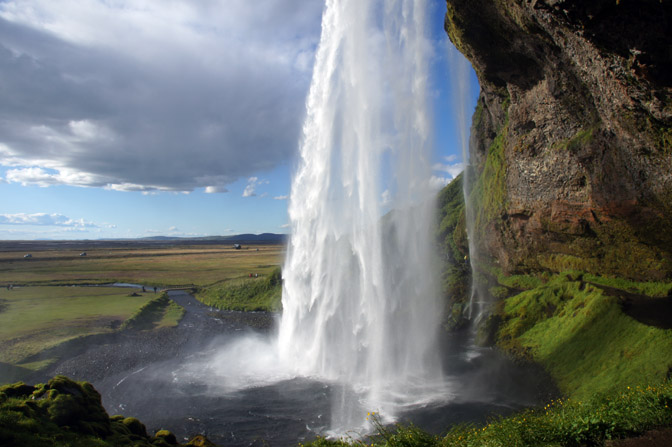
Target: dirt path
x=645 y=309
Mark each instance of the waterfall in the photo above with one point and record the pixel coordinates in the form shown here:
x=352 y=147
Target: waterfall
x=360 y=301
x=462 y=108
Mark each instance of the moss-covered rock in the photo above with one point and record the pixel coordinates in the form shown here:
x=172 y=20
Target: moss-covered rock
x=452 y=239
x=63 y=412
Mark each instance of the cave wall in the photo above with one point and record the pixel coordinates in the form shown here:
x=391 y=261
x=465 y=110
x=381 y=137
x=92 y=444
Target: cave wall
x=572 y=136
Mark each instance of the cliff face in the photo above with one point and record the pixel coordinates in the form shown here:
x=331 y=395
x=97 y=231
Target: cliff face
x=572 y=137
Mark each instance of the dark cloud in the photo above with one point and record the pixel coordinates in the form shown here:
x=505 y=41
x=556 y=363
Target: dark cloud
x=158 y=99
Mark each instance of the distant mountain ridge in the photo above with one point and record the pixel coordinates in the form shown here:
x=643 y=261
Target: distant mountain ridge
x=246 y=237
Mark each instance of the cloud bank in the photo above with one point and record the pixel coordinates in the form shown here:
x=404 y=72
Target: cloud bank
x=152 y=96
x=44 y=219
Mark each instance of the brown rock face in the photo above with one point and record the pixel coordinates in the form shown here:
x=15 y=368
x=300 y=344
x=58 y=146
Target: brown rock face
x=572 y=138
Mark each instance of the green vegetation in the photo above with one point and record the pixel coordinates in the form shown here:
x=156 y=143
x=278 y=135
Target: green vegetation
x=581 y=139
x=161 y=312
x=452 y=239
x=489 y=192
x=36 y=318
x=246 y=294
x=163 y=267
x=651 y=288
x=42 y=313
x=64 y=413
x=564 y=422
x=583 y=338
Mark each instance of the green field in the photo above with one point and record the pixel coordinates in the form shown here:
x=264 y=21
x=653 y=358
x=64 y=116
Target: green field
x=164 y=267
x=36 y=318
x=43 y=309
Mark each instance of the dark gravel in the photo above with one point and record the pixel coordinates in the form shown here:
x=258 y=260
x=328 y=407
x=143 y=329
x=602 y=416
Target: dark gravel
x=98 y=357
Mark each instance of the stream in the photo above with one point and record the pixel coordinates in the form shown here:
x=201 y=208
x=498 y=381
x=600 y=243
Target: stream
x=165 y=379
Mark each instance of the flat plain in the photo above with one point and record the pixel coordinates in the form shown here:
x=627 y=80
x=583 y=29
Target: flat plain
x=49 y=298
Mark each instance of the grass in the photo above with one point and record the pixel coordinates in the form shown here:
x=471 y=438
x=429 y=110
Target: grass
x=38 y=318
x=650 y=288
x=171 y=266
x=42 y=313
x=262 y=293
x=583 y=338
x=628 y=411
x=161 y=312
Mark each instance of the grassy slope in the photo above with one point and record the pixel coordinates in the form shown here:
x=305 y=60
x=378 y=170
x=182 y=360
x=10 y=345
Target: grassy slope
x=612 y=368
x=160 y=312
x=583 y=338
x=245 y=294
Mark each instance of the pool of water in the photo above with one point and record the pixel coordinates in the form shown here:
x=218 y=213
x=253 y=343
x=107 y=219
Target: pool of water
x=170 y=380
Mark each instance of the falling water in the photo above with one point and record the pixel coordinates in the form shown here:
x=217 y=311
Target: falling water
x=462 y=106
x=360 y=305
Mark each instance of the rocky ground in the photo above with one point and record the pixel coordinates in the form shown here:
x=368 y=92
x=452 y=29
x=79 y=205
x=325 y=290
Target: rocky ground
x=95 y=358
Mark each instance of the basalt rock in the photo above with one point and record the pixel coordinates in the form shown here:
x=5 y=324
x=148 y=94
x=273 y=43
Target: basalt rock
x=572 y=136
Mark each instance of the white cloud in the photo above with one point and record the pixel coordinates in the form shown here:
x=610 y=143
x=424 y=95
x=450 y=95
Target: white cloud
x=285 y=225
x=44 y=219
x=386 y=197
x=160 y=95
x=451 y=169
x=251 y=187
x=281 y=197
x=215 y=189
x=437 y=183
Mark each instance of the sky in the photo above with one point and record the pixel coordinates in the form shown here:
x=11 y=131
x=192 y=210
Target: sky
x=137 y=118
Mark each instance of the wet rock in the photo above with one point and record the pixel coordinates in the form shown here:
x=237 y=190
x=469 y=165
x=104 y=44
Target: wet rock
x=572 y=137
x=166 y=437
x=72 y=413
x=200 y=441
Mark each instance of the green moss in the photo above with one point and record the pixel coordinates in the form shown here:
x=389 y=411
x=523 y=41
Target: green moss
x=489 y=193
x=518 y=282
x=166 y=436
x=455 y=29
x=581 y=139
x=65 y=413
x=582 y=337
x=452 y=239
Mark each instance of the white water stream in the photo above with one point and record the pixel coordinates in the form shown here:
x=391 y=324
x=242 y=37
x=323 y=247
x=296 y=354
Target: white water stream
x=360 y=301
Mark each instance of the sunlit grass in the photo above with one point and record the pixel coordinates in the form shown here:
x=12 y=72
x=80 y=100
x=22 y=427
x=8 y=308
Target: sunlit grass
x=161 y=267
x=583 y=338
x=160 y=312
x=36 y=318
x=245 y=294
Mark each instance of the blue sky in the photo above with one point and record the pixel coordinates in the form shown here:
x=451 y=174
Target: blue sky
x=132 y=119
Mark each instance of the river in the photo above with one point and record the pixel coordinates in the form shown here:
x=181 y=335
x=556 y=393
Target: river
x=163 y=378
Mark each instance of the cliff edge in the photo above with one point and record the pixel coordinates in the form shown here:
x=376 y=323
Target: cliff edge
x=572 y=136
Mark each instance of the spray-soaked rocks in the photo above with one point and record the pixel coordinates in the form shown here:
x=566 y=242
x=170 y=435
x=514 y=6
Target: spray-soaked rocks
x=65 y=412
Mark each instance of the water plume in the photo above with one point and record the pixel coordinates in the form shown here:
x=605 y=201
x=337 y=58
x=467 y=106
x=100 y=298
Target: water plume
x=360 y=301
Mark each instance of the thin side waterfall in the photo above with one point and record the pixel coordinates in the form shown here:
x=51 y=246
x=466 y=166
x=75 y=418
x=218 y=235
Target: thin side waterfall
x=360 y=301
x=460 y=79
